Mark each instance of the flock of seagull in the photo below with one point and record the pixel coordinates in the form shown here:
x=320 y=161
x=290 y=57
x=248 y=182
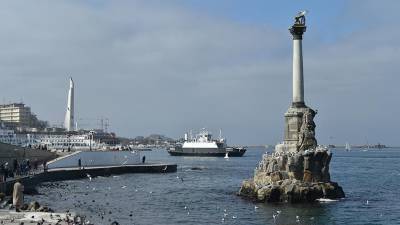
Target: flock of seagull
x=102 y=212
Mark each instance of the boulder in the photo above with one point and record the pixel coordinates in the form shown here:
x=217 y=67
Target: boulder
x=33 y=206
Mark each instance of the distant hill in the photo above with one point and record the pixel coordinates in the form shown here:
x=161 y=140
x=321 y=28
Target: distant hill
x=152 y=139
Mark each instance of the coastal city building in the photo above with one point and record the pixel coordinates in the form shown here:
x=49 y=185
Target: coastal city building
x=19 y=116
x=60 y=140
x=20 y=127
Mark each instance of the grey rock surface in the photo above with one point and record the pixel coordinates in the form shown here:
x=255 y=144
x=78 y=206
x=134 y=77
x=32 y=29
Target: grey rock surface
x=298 y=170
x=292 y=177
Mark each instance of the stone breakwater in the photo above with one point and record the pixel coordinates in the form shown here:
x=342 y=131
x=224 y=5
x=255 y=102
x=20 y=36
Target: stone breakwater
x=292 y=177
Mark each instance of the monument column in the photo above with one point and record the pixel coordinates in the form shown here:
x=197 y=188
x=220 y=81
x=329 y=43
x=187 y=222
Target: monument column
x=303 y=165
x=297 y=31
x=293 y=138
x=69 y=115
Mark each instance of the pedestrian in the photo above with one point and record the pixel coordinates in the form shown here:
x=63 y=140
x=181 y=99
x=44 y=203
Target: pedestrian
x=18 y=195
x=2 y=173
x=28 y=164
x=80 y=163
x=6 y=169
x=15 y=165
x=44 y=166
x=143 y=159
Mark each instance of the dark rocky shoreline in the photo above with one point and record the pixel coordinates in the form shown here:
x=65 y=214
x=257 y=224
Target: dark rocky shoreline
x=292 y=177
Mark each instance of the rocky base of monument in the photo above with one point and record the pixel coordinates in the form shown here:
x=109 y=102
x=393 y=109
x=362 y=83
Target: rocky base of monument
x=293 y=177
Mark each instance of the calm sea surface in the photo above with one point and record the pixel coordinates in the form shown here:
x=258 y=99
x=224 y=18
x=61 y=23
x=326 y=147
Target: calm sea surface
x=206 y=194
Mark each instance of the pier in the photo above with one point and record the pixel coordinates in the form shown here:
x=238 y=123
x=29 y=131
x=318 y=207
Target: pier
x=74 y=173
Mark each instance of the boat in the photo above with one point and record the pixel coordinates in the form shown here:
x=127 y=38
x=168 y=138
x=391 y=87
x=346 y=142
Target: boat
x=140 y=148
x=204 y=145
x=348 y=147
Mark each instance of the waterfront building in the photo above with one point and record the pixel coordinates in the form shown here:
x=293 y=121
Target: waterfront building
x=61 y=140
x=19 y=116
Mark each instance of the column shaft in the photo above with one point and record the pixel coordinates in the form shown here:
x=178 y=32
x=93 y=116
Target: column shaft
x=298 y=82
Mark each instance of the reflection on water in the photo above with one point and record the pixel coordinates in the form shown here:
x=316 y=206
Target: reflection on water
x=203 y=192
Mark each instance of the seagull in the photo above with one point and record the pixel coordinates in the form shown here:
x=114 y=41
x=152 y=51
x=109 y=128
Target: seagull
x=255 y=207
x=88 y=175
x=367 y=202
x=302 y=13
x=234 y=217
x=123 y=186
x=297 y=218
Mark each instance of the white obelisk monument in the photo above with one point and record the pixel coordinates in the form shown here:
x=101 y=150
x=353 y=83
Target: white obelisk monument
x=69 y=115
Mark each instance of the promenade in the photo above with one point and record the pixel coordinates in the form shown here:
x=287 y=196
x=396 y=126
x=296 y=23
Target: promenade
x=30 y=181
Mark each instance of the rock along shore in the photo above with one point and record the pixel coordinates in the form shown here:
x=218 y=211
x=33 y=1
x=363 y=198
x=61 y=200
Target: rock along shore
x=292 y=177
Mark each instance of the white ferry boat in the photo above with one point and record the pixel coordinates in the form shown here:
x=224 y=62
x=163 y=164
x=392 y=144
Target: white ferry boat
x=203 y=145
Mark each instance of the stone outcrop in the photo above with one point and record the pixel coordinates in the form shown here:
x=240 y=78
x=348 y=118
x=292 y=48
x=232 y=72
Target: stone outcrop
x=292 y=177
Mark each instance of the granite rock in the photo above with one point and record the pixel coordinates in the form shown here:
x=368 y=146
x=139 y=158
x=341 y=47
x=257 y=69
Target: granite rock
x=292 y=177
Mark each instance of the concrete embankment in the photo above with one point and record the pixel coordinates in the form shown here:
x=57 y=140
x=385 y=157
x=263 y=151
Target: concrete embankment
x=10 y=152
x=60 y=174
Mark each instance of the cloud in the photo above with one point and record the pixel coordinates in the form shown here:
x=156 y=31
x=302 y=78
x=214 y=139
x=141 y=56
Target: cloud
x=152 y=67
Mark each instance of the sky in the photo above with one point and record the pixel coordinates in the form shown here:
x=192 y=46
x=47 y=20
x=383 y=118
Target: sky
x=169 y=66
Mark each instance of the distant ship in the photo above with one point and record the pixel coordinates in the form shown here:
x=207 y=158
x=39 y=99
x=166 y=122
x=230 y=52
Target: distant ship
x=203 y=145
x=139 y=148
x=348 y=147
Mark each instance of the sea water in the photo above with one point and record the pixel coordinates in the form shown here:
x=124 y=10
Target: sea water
x=203 y=191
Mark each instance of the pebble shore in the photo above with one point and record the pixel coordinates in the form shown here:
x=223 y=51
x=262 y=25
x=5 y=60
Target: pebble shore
x=39 y=218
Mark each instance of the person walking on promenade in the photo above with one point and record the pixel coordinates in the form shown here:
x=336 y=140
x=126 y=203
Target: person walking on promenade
x=18 y=195
x=44 y=166
x=2 y=173
x=143 y=159
x=80 y=163
x=28 y=165
x=6 y=169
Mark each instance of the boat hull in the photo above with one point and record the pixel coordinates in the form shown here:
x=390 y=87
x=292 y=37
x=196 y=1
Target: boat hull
x=236 y=152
